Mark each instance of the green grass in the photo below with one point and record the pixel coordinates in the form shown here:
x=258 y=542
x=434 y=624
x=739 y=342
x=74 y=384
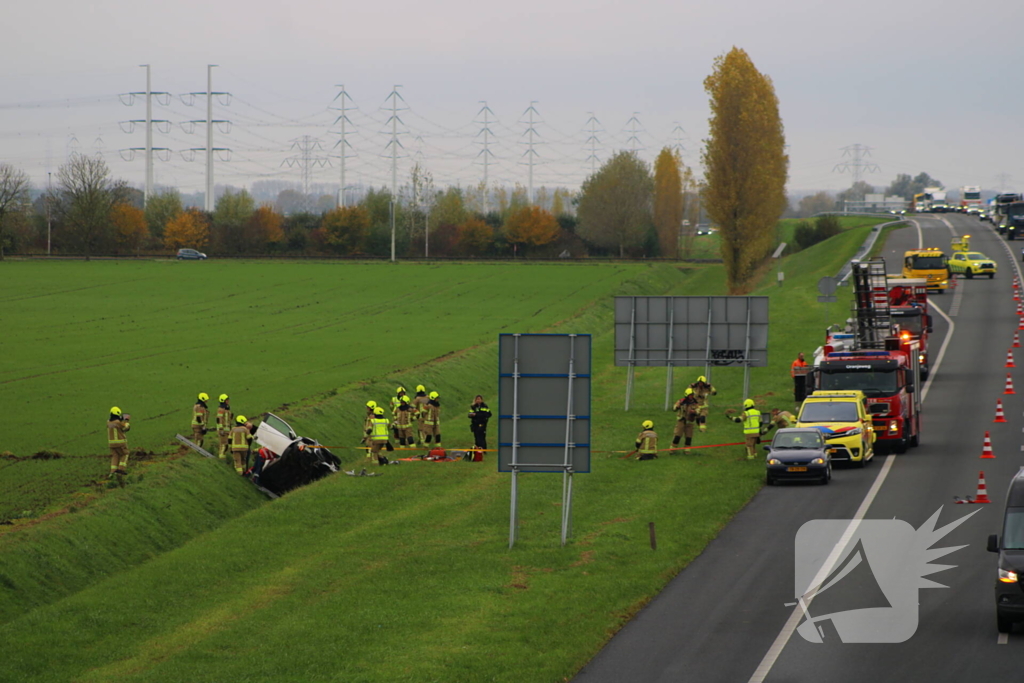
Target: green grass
x=407 y=577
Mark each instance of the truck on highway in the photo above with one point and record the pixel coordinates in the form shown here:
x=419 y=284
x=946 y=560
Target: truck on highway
x=1013 y=219
x=970 y=198
x=931 y=200
x=908 y=305
x=1000 y=207
x=929 y=264
x=879 y=356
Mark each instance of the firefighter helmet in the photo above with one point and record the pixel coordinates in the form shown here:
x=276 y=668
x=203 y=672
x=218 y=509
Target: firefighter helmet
x=115 y=411
x=400 y=390
x=702 y=379
x=433 y=395
x=371 y=404
x=405 y=399
x=420 y=387
x=223 y=398
x=688 y=392
x=241 y=419
x=749 y=403
x=647 y=424
x=203 y=396
x=378 y=411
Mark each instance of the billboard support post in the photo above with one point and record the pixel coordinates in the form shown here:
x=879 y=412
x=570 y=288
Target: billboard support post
x=746 y=358
x=668 y=372
x=632 y=356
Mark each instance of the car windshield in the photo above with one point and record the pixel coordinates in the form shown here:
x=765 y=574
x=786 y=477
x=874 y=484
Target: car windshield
x=978 y=256
x=827 y=411
x=910 y=320
x=929 y=262
x=796 y=440
x=871 y=382
x=1013 y=530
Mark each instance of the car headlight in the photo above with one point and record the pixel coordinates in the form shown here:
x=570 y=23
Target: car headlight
x=774 y=461
x=818 y=461
x=852 y=432
x=1007 y=576
x=920 y=358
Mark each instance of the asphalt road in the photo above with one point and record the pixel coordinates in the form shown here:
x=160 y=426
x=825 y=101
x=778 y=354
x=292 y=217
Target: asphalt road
x=725 y=618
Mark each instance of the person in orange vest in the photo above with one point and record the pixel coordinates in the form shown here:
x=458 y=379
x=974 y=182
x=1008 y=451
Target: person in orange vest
x=224 y=419
x=117 y=427
x=798 y=371
x=647 y=442
x=200 y=417
x=241 y=437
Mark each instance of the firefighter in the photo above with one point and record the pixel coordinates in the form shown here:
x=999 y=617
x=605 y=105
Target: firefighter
x=798 y=371
x=378 y=435
x=419 y=403
x=241 y=437
x=117 y=426
x=701 y=391
x=403 y=422
x=751 y=421
x=200 y=416
x=370 y=407
x=479 y=414
x=686 y=416
x=396 y=402
x=781 y=419
x=647 y=442
x=430 y=420
x=224 y=419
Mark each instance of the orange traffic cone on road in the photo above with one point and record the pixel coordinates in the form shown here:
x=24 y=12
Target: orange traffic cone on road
x=1020 y=325
x=999 y=411
x=986 y=449
x=1009 y=355
x=982 y=495
x=1016 y=339
x=1009 y=385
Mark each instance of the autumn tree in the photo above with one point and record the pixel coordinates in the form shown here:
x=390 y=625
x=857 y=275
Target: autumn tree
x=130 y=228
x=347 y=228
x=745 y=164
x=13 y=197
x=230 y=216
x=264 y=227
x=475 y=237
x=531 y=226
x=188 y=229
x=160 y=209
x=614 y=209
x=85 y=196
x=819 y=202
x=854 y=193
x=668 y=200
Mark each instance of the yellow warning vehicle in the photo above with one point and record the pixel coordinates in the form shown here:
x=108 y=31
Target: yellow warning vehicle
x=929 y=264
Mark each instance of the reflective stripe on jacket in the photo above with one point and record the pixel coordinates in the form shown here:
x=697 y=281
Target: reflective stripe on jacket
x=648 y=442
x=379 y=429
x=403 y=417
x=240 y=438
x=115 y=432
x=224 y=418
x=751 y=421
x=199 y=414
x=431 y=414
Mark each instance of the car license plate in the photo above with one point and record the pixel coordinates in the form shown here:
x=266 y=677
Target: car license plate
x=796 y=469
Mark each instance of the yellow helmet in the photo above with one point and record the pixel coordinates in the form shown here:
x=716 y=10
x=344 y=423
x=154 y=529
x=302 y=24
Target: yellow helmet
x=405 y=399
x=223 y=398
x=433 y=395
x=647 y=424
x=203 y=396
x=241 y=419
x=371 y=404
x=749 y=403
x=420 y=387
x=688 y=392
x=400 y=390
x=378 y=411
x=702 y=378
x=115 y=411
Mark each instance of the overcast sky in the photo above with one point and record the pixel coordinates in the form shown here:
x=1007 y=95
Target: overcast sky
x=929 y=86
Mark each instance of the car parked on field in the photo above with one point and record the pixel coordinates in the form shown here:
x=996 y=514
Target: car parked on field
x=798 y=455
x=190 y=255
x=971 y=263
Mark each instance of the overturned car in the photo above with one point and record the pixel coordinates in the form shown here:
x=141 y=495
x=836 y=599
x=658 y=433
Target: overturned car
x=285 y=460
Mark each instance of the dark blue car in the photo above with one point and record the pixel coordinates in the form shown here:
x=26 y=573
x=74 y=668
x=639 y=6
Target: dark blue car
x=798 y=454
x=190 y=254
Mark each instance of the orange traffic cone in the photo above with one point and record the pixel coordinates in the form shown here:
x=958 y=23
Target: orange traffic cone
x=999 y=411
x=1016 y=340
x=1020 y=325
x=986 y=449
x=982 y=495
x=1009 y=385
x=1009 y=355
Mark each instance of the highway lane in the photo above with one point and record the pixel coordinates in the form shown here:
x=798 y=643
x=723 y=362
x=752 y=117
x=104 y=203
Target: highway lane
x=718 y=618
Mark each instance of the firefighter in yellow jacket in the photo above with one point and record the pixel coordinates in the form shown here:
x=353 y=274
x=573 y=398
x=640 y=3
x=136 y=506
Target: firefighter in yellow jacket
x=225 y=420
x=647 y=442
x=378 y=433
x=241 y=437
x=200 y=418
x=751 y=421
x=117 y=427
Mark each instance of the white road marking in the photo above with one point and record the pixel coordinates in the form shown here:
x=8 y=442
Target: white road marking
x=770 y=657
x=1003 y=639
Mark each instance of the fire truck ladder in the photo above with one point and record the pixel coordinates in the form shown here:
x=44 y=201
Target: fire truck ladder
x=871 y=304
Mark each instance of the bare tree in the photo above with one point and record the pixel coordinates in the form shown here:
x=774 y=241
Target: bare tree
x=13 y=196
x=85 y=197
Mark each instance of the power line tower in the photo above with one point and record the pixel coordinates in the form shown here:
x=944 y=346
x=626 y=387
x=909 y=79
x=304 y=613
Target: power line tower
x=635 y=127
x=395 y=144
x=306 y=160
x=856 y=164
x=163 y=124
x=343 y=142
x=593 y=141
x=678 y=135
x=530 y=152
x=485 y=152
x=1003 y=181
x=224 y=153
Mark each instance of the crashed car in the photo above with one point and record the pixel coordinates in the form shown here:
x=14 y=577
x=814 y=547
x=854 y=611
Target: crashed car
x=286 y=461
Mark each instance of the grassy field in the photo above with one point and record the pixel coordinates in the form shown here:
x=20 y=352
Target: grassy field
x=709 y=246
x=407 y=577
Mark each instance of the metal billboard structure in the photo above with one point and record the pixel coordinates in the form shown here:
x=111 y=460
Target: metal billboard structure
x=690 y=331
x=544 y=412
